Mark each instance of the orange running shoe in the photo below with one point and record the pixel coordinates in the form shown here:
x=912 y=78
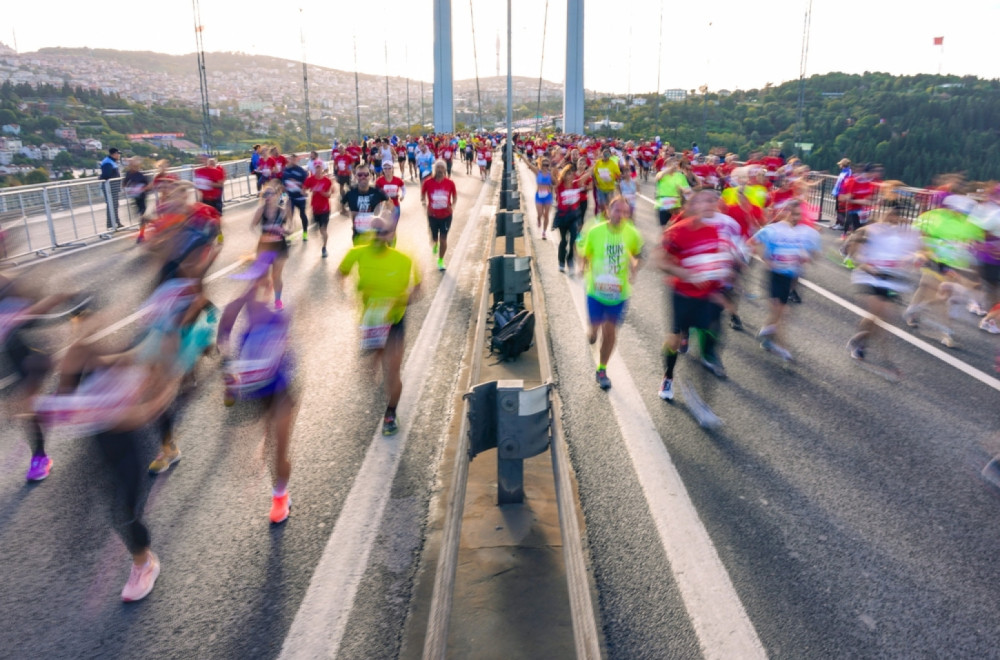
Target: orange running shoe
x=280 y=506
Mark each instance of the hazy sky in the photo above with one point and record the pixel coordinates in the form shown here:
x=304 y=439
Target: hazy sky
x=729 y=44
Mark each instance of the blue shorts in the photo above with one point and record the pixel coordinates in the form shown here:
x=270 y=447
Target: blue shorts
x=546 y=200
x=601 y=313
x=603 y=197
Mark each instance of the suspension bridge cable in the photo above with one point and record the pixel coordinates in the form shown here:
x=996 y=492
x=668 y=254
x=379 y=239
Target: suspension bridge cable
x=475 y=62
x=541 y=68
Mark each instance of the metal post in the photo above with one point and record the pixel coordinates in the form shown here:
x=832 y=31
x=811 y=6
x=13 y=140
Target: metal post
x=409 y=122
x=822 y=196
x=72 y=214
x=444 y=102
x=90 y=204
x=24 y=216
x=573 y=118
x=357 y=88
x=388 y=119
x=305 y=81
x=510 y=480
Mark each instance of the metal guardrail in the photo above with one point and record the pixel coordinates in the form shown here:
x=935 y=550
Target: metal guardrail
x=42 y=218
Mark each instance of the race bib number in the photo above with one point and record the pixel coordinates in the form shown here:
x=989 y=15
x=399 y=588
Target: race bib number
x=392 y=191
x=608 y=287
x=201 y=183
x=604 y=174
x=375 y=325
x=570 y=197
x=363 y=222
x=544 y=190
x=133 y=191
x=668 y=203
x=439 y=199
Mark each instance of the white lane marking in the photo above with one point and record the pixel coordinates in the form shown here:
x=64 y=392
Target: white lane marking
x=320 y=623
x=964 y=367
x=723 y=628
x=947 y=358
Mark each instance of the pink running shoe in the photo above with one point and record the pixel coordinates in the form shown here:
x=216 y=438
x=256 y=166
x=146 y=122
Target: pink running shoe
x=39 y=468
x=141 y=579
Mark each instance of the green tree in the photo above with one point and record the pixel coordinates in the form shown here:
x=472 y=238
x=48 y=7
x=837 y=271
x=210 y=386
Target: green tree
x=37 y=175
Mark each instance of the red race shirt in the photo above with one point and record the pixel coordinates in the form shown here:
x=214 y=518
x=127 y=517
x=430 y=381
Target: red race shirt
x=342 y=164
x=205 y=180
x=750 y=220
x=446 y=153
x=319 y=184
x=391 y=188
x=858 y=190
x=440 y=196
x=772 y=163
x=567 y=197
x=703 y=253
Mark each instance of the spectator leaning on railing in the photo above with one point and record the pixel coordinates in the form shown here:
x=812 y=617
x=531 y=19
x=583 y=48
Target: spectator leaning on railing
x=111 y=185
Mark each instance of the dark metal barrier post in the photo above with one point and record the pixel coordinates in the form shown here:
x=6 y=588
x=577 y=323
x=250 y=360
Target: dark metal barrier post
x=515 y=421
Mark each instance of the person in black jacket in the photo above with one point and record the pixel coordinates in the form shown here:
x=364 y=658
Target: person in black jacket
x=111 y=186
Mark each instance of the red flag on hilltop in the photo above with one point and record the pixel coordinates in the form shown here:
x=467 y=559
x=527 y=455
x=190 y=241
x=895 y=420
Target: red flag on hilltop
x=938 y=41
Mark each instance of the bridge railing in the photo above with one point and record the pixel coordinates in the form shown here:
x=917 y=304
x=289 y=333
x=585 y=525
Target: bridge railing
x=38 y=219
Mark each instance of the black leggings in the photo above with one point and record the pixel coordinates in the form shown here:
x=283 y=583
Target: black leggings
x=121 y=453
x=568 y=229
x=300 y=204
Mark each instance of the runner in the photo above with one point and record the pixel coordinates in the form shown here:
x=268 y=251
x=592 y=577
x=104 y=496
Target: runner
x=209 y=179
x=671 y=190
x=446 y=152
x=606 y=176
x=363 y=202
x=425 y=160
x=481 y=151
x=136 y=186
x=411 y=156
x=19 y=311
x=320 y=188
x=543 y=192
x=700 y=262
x=568 y=218
x=343 y=167
x=785 y=246
x=272 y=220
x=611 y=253
x=111 y=399
x=439 y=195
x=293 y=177
x=388 y=281
x=469 y=151
x=886 y=254
x=948 y=236
x=259 y=367
x=393 y=187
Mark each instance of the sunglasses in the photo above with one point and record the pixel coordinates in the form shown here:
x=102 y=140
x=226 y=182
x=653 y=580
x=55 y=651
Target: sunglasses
x=269 y=194
x=362 y=176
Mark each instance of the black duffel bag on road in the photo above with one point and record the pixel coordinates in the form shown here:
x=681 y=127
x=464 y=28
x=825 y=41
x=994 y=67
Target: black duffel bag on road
x=514 y=337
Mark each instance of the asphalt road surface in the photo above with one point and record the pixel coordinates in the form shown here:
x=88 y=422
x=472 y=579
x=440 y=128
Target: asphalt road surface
x=832 y=515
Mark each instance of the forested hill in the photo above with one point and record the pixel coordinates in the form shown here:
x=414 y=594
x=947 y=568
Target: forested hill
x=916 y=126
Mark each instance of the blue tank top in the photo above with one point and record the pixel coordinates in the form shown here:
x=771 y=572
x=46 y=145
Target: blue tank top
x=544 y=193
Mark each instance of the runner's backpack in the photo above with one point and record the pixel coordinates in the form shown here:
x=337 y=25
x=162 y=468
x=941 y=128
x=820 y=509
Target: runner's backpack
x=515 y=336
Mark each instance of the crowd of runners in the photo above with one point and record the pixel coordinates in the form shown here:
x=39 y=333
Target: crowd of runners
x=719 y=215
x=722 y=215
x=115 y=398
